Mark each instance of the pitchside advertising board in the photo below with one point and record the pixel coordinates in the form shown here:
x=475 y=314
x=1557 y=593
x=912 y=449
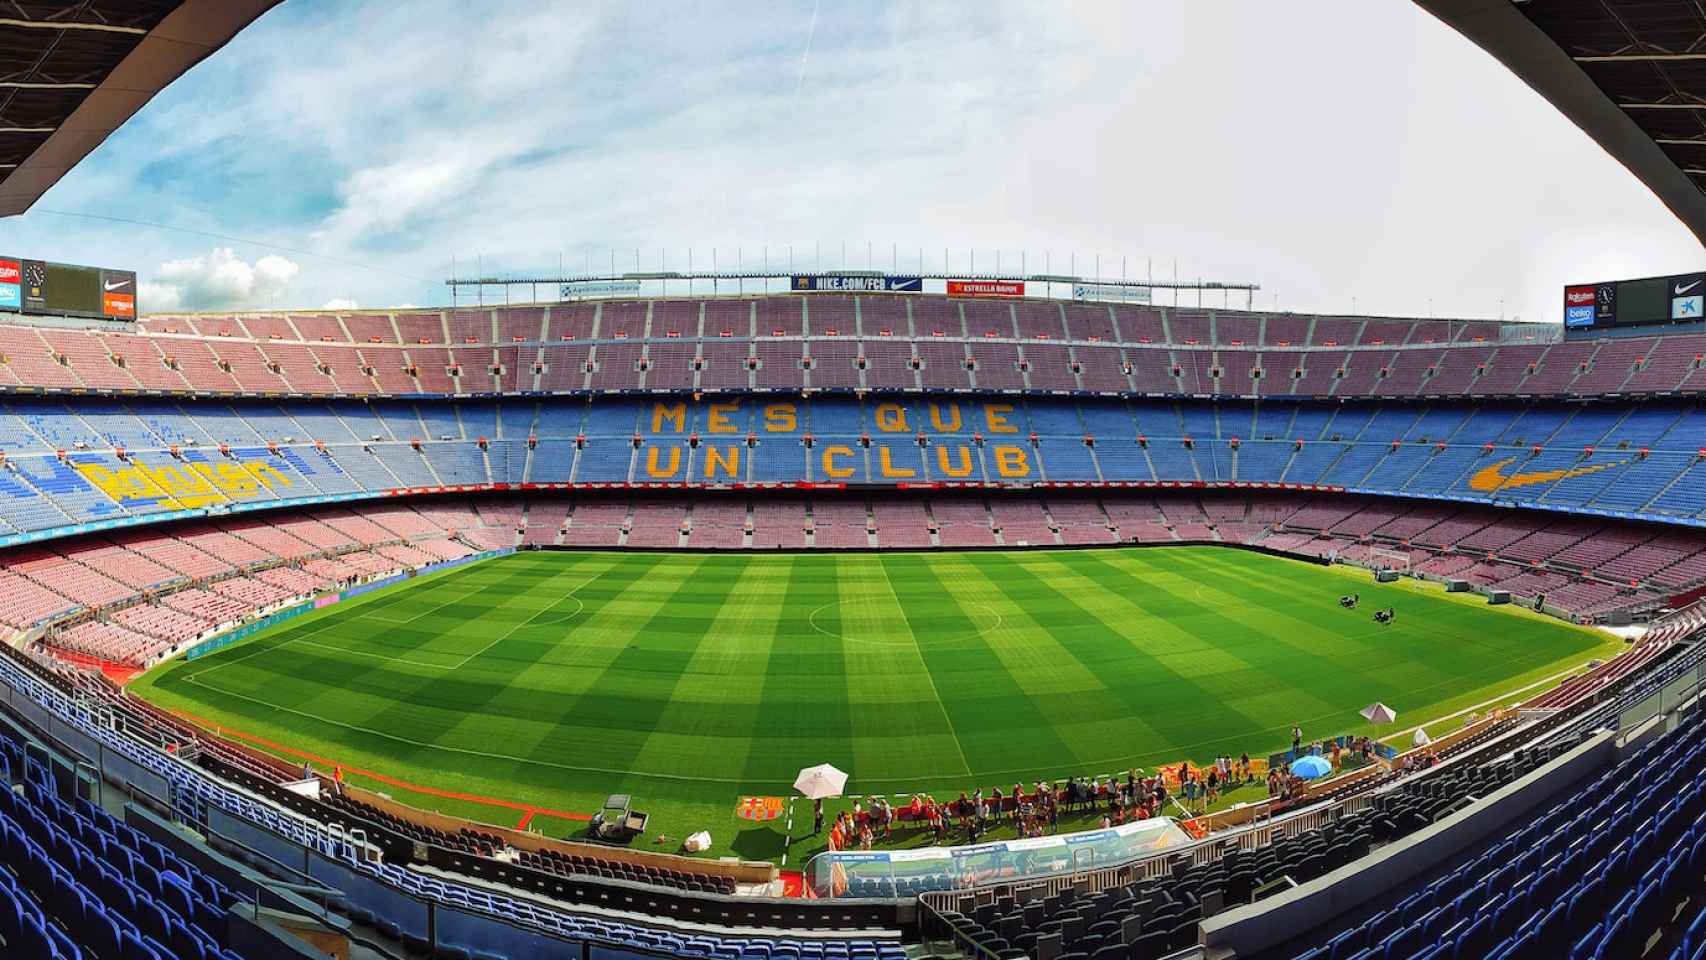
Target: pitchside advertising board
x=1680 y=298
x=65 y=289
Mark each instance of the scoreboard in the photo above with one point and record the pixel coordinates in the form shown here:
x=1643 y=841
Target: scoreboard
x=1628 y=303
x=67 y=290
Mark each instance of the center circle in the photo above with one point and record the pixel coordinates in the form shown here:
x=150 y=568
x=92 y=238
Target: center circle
x=988 y=621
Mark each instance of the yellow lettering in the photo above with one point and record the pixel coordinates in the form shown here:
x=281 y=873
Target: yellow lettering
x=829 y=467
x=729 y=462
x=717 y=417
x=652 y=462
x=268 y=475
x=1012 y=462
x=888 y=468
x=891 y=418
x=126 y=483
x=780 y=418
x=675 y=413
x=936 y=417
x=106 y=481
x=965 y=467
x=188 y=488
x=996 y=415
x=231 y=478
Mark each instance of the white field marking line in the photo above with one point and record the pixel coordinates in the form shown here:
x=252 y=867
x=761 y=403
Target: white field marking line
x=811 y=621
x=570 y=596
x=395 y=738
x=928 y=677
x=363 y=614
x=376 y=656
x=260 y=649
x=323 y=627
x=788 y=832
x=1486 y=703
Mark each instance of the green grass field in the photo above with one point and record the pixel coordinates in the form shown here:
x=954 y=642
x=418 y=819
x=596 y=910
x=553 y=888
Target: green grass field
x=552 y=679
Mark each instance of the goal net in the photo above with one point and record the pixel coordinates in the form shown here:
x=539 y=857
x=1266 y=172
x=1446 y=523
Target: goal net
x=1398 y=560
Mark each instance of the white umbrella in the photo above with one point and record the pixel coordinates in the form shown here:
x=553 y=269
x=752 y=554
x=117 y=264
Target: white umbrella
x=1421 y=739
x=1378 y=712
x=820 y=781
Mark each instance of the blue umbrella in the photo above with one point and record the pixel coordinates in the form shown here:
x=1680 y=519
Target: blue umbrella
x=1311 y=767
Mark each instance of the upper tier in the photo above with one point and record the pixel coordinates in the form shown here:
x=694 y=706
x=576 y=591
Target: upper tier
x=834 y=343
x=73 y=467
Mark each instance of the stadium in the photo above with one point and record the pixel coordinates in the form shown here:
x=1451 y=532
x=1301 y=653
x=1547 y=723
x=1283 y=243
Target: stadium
x=850 y=614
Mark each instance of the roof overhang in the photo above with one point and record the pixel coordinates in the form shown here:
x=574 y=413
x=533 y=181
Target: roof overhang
x=1555 y=61
x=89 y=111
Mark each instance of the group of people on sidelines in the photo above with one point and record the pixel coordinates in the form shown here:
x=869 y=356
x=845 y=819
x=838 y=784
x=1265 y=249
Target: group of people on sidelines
x=1036 y=812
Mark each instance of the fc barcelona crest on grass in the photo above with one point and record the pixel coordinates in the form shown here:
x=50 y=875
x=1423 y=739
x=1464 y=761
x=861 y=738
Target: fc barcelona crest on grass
x=760 y=809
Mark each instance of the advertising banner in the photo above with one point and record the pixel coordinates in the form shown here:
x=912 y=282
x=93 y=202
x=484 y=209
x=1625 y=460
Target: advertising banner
x=1688 y=296
x=857 y=284
x=597 y=288
x=1112 y=291
x=118 y=294
x=1578 y=305
x=986 y=288
x=11 y=284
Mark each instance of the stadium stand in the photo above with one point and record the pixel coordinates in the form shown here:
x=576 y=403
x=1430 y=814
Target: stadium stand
x=294 y=454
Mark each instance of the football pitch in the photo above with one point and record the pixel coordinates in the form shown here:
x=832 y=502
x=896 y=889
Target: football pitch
x=528 y=687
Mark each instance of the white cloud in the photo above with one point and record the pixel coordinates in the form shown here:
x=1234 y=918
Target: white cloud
x=218 y=280
x=1211 y=134
x=339 y=303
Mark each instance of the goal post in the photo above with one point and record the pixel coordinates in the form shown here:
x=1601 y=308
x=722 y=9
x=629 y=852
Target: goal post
x=1395 y=560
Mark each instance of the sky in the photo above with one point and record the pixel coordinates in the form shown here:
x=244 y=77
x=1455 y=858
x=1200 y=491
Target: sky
x=1347 y=155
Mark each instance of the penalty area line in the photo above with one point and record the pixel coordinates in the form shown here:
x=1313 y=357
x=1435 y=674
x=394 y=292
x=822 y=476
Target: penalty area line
x=567 y=596
x=529 y=809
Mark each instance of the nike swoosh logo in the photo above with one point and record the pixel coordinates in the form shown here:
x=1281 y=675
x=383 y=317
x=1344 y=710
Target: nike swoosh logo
x=1491 y=478
x=1680 y=289
x=114 y=286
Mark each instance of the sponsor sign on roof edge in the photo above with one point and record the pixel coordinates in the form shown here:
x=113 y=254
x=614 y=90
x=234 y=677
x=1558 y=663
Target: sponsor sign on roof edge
x=1111 y=291
x=589 y=288
x=877 y=283
x=986 y=288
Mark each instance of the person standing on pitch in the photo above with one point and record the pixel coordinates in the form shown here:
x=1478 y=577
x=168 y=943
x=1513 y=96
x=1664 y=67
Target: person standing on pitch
x=817 y=817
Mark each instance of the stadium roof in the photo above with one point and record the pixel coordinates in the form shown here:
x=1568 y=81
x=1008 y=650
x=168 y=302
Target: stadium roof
x=1630 y=73
x=73 y=71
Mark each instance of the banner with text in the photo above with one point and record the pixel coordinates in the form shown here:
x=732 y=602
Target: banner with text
x=596 y=288
x=870 y=283
x=1112 y=291
x=11 y=284
x=986 y=288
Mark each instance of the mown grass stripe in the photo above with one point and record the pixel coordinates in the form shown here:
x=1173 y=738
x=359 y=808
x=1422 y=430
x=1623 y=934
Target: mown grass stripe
x=1172 y=703
x=903 y=669
x=619 y=705
x=992 y=719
